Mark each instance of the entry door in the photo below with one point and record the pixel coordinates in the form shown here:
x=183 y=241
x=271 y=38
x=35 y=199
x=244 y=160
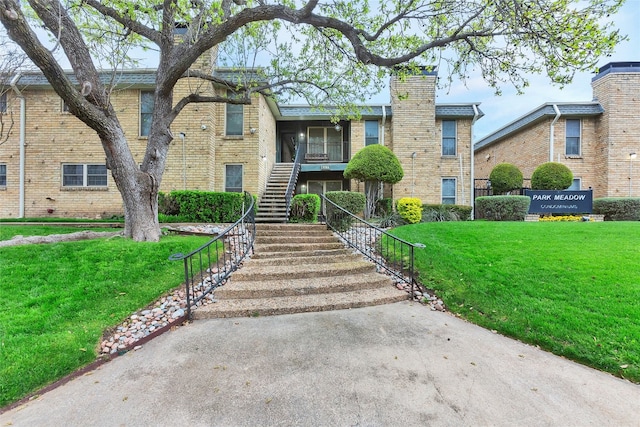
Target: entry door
x=321 y=187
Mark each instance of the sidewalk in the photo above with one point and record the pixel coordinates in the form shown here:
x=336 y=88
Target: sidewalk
x=391 y=365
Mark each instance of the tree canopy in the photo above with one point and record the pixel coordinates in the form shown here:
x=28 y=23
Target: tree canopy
x=335 y=52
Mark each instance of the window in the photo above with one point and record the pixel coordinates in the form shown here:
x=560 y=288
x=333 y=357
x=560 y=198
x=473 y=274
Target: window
x=371 y=132
x=3 y=103
x=233 y=179
x=576 y=185
x=146 y=110
x=83 y=175
x=325 y=140
x=448 y=137
x=3 y=175
x=448 y=191
x=65 y=107
x=234 y=118
x=572 y=145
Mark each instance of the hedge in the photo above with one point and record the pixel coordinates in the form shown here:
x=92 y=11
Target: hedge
x=618 y=208
x=350 y=201
x=503 y=208
x=304 y=208
x=505 y=177
x=202 y=206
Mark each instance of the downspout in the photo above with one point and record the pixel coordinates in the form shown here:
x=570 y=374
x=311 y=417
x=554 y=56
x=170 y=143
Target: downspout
x=23 y=114
x=476 y=116
x=384 y=119
x=551 y=137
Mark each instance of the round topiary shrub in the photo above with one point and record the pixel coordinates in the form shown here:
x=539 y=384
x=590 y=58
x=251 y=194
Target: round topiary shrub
x=551 y=176
x=505 y=177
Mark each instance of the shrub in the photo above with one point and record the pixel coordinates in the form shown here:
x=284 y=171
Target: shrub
x=410 y=209
x=350 y=201
x=167 y=204
x=618 y=208
x=163 y=218
x=305 y=208
x=208 y=206
x=505 y=177
x=434 y=213
x=503 y=208
x=551 y=176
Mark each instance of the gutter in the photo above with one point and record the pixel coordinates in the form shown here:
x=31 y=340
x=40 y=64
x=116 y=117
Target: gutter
x=551 y=136
x=23 y=113
x=476 y=116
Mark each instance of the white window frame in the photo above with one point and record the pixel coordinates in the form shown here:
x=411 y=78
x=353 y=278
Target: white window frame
x=144 y=133
x=226 y=186
x=447 y=137
x=3 y=175
x=64 y=107
x=576 y=184
x=566 y=137
x=377 y=136
x=455 y=190
x=85 y=176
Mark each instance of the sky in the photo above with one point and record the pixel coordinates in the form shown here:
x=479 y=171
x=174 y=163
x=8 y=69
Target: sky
x=502 y=110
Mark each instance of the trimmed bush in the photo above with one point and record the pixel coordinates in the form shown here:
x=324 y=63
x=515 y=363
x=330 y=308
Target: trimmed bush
x=410 y=209
x=167 y=205
x=505 y=177
x=434 y=213
x=350 y=201
x=503 y=208
x=305 y=208
x=208 y=206
x=551 y=176
x=618 y=208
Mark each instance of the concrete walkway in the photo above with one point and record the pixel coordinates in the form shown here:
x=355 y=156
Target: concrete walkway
x=391 y=365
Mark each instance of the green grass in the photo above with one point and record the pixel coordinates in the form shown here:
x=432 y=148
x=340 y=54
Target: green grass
x=57 y=299
x=7 y=231
x=571 y=288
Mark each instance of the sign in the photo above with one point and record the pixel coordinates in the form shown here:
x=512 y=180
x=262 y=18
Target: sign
x=565 y=201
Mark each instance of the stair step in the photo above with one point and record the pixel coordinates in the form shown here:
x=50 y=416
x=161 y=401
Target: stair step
x=301 y=254
x=285 y=260
x=250 y=273
x=284 y=288
x=275 y=247
x=300 y=304
x=287 y=240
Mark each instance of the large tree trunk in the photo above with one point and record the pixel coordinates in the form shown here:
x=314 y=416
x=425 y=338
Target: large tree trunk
x=141 y=211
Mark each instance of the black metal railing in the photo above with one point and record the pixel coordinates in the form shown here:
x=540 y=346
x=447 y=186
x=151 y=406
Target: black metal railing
x=388 y=252
x=293 y=179
x=209 y=266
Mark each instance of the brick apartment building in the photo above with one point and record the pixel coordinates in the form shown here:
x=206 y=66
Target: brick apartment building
x=599 y=141
x=53 y=165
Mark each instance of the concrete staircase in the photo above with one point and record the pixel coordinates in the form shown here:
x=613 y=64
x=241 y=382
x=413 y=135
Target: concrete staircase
x=300 y=268
x=273 y=204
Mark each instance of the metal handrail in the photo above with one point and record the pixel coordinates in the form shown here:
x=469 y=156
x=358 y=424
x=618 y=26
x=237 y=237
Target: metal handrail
x=209 y=266
x=293 y=179
x=388 y=252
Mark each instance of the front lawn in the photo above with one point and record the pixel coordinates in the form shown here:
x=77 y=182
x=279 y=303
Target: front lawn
x=57 y=299
x=572 y=288
x=8 y=231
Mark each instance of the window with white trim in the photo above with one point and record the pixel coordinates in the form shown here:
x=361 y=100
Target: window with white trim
x=3 y=175
x=371 y=132
x=234 y=117
x=576 y=185
x=3 y=103
x=449 y=131
x=449 y=191
x=84 y=175
x=64 y=107
x=146 y=111
x=233 y=178
x=572 y=138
